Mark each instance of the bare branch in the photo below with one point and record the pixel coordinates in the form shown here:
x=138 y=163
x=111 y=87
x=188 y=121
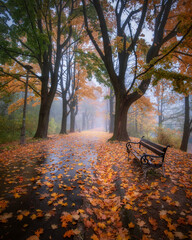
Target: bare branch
x=139 y=28
x=90 y=33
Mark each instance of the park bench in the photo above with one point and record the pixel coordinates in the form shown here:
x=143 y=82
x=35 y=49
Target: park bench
x=151 y=155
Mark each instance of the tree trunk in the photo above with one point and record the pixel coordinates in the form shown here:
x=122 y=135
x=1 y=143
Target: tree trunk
x=45 y=107
x=64 y=117
x=43 y=123
x=72 y=119
x=120 y=126
x=186 y=129
x=111 y=100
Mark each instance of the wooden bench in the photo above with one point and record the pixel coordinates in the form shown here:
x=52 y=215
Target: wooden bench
x=152 y=156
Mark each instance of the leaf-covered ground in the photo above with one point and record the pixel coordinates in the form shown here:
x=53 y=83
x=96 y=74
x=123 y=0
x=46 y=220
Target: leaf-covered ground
x=79 y=186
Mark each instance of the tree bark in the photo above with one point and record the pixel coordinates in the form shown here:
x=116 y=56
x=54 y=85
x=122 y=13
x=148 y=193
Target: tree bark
x=120 y=126
x=111 y=106
x=64 y=117
x=72 y=119
x=45 y=107
x=186 y=129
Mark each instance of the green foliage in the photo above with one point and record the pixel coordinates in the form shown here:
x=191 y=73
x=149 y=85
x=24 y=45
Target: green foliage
x=181 y=83
x=20 y=35
x=9 y=129
x=10 y=125
x=166 y=136
x=94 y=66
x=54 y=127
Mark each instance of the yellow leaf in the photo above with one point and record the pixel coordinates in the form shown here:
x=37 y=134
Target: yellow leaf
x=171 y=227
x=81 y=211
x=16 y=195
x=128 y=206
x=68 y=233
x=39 y=232
x=153 y=222
x=25 y=213
x=94 y=237
x=33 y=216
x=169 y=234
x=174 y=189
x=101 y=225
x=20 y=217
x=131 y=225
x=114 y=209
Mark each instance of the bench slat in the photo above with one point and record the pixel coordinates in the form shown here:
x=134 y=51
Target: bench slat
x=153 y=149
x=157 y=146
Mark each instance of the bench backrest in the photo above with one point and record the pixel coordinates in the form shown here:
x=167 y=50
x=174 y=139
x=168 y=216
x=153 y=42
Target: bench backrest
x=158 y=149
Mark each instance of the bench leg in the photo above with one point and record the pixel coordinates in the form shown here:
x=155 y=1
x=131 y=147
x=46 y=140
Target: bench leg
x=163 y=170
x=128 y=154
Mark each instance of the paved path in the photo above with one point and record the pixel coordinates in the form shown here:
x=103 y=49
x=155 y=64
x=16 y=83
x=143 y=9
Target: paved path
x=38 y=189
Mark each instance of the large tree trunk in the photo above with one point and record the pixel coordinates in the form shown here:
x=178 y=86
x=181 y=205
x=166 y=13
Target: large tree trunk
x=45 y=106
x=186 y=129
x=43 y=123
x=120 y=126
x=47 y=97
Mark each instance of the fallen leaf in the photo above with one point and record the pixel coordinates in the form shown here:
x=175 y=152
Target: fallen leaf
x=131 y=225
x=54 y=226
x=33 y=216
x=180 y=235
x=94 y=237
x=69 y=233
x=39 y=232
x=20 y=217
x=153 y=222
x=33 y=237
x=169 y=234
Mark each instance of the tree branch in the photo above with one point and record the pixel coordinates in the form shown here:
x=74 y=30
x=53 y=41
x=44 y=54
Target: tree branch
x=18 y=79
x=90 y=33
x=171 y=50
x=139 y=28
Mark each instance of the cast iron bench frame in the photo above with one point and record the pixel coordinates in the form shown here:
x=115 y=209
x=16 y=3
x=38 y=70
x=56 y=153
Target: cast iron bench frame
x=146 y=160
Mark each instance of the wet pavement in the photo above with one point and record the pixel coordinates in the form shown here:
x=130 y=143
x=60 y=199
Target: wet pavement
x=37 y=189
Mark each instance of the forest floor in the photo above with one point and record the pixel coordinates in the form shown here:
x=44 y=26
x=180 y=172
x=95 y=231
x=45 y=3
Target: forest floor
x=79 y=186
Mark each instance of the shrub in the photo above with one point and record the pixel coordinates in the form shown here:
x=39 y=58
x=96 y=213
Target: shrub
x=53 y=126
x=166 y=136
x=9 y=130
